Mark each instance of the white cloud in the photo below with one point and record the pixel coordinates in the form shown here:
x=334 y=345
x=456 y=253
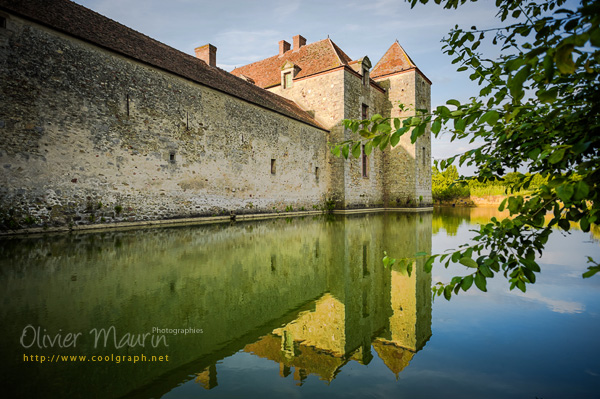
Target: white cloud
x=555 y=305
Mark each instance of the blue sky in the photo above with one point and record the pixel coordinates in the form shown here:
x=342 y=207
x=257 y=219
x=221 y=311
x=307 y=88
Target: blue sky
x=247 y=31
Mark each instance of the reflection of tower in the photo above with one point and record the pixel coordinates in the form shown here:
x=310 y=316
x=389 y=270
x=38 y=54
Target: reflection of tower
x=208 y=378
x=410 y=323
x=365 y=300
x=410 y=296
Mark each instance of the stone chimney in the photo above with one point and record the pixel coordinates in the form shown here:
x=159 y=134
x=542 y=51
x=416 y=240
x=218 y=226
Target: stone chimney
x=208 y=54
x=283 y=47
x=299 y=41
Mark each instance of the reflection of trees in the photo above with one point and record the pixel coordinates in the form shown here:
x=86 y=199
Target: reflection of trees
x=449 y=219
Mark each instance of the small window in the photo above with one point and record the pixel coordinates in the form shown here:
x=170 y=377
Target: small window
x=172 y=157
x=2 y=23
x=365 y=77
x=365 y=163
x=424 y=157
x=317 y=174
x=365 y=111
x=272 y=166
x=287 y=80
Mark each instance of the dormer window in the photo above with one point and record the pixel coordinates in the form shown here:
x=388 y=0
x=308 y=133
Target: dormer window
x=289 y=70
x=362 y=67
x=287 y=80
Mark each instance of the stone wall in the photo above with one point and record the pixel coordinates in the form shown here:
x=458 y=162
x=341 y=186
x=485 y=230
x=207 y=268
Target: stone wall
x=89 y=136
x=334 y=96
x=323 y=95
x=363 y=191
x=407 y=168
x=423 y=144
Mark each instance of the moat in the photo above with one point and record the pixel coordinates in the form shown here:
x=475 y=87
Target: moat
x=298 y=307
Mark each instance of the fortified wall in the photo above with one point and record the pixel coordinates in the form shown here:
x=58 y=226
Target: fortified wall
x=101 y=124
x=91 y=136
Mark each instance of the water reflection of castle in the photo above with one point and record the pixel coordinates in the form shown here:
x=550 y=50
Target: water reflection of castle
x=388 y=311
x=311 y=295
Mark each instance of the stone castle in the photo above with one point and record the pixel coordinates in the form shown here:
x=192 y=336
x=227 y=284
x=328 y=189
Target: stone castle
x=100 y=123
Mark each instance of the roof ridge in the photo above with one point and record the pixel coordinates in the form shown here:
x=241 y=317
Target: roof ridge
x=276 y=55
x=406 y=55
x=337 y=50
x=80 y=22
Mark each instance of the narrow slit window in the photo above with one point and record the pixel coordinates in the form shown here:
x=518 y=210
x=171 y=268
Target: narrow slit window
x=365 y=77
x=424 y=156
x=273 y=166
x=365 y=111
x=365 y=163
x=172 y=157
x=317 y=173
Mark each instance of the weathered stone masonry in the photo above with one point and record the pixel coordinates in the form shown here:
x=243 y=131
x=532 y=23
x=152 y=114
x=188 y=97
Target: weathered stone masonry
x=92 y=136
x=99 y=124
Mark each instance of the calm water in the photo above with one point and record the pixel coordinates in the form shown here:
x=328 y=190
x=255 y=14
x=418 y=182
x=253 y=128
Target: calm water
x=294 y=308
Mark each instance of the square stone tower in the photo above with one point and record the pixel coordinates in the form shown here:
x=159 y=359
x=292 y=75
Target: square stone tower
x=407 y=167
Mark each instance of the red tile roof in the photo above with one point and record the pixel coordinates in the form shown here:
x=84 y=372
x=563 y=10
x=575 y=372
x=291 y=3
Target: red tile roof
x=311 y=59
x=80 y=22
x=394 y=60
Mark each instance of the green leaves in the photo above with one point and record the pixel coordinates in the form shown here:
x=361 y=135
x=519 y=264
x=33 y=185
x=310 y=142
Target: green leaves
x=592 y=270
x=581 y=190
x=345 y=151
x=564 y=58
x=557 y=156
x=467 y=282
x=547 y=96
x=468 y=262
x=356 y=150
x=429 y=264
x=387 y=261
x=436 y=126
x=490 y=117
x=515 y=84
x=480 y=282
x=536 y=109
x=565 y=192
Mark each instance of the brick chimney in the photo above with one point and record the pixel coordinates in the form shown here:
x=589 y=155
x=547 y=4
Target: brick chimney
x=208 y=54
x=283 y=47
x=299 y=41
